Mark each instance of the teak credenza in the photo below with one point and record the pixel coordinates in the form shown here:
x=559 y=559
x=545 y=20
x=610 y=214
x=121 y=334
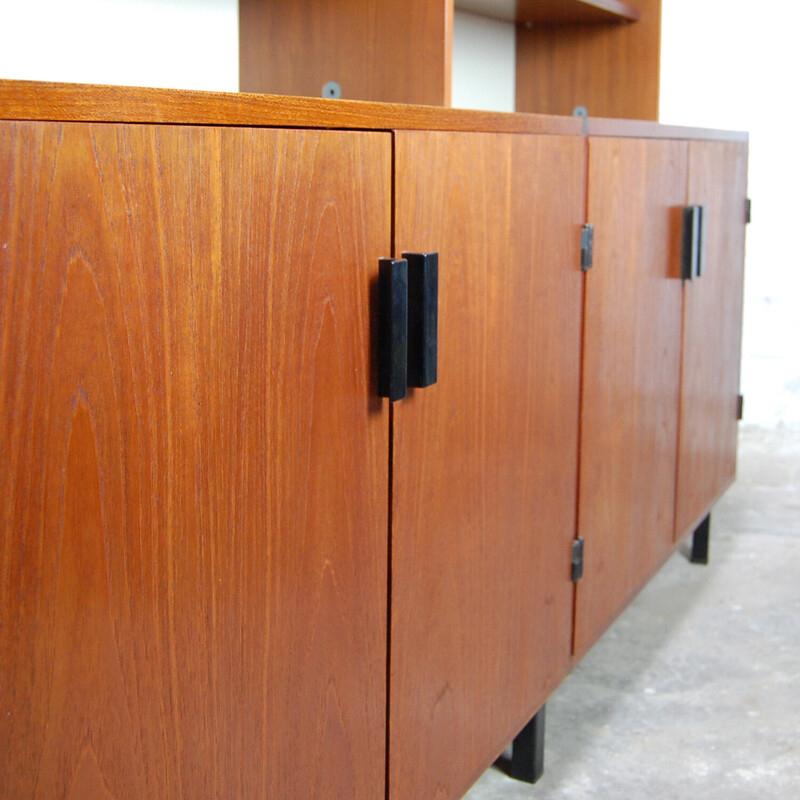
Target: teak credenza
x=228 y=567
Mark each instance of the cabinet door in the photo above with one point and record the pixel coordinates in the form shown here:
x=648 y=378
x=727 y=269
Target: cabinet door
x=193 y=492
x=631 y=373
x=484 y=479
x=712 y=333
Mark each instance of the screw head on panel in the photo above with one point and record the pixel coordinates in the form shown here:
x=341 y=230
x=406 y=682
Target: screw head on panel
x=332 y=89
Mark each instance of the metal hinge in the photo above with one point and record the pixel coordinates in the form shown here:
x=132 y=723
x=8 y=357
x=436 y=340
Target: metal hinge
x=587 y=246
x=740 y=408
x=577 y=559
x=748 y=211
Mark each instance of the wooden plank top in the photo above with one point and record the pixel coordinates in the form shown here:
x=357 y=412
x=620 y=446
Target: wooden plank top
x=642 y=129
x=72 y=102
x=89 y=103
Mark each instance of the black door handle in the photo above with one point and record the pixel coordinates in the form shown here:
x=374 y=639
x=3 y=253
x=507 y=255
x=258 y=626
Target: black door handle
x=693 y=251
x=392 y=327
x=423 y=318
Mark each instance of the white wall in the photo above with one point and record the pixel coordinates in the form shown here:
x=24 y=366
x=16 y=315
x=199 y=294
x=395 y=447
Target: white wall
x=484 y=63
x=177 y=44
x=730 y=64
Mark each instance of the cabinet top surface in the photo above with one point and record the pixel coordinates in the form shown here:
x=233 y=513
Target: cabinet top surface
x=66 y=102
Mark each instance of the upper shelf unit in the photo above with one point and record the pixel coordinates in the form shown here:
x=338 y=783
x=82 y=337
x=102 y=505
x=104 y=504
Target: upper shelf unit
x=546 y=12
x=600 y=54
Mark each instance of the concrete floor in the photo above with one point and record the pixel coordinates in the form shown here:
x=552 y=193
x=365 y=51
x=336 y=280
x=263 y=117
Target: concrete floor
x=694 y=693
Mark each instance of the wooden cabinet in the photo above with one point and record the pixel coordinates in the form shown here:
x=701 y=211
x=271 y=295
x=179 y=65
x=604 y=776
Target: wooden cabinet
x=712 y=325
x=631 y=372
x=483 y=478
x=194 y=485
x=660 y=361
x=227 y=567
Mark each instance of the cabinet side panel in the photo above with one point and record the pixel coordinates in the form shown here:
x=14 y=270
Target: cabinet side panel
x=631 y=373
x=193 y=493
x=712 y=333
x=484 y=476
x=397 y=51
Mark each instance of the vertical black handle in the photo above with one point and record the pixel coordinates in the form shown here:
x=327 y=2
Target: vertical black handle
x=701 y=250
x=587 y=247
x=693 y=258
x=423 y=318
x=392 y=327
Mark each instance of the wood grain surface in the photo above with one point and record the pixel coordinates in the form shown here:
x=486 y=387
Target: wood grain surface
x=647 y=129
x=36 y=100
x=484 y=477
x=83 y=102
x=612 y=69
x=396 y=51
x=712 y=330
x=193 y=492
x=583 y=11
x=548 y=11
x=631 y=373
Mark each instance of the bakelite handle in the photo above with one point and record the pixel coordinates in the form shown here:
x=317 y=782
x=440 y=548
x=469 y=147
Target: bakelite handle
x=392 y=327
x=693 y=251
x=423 y=318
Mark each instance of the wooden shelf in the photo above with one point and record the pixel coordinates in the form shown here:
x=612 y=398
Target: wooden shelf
x=544 y=12
x=611 y=69
x=569 y=53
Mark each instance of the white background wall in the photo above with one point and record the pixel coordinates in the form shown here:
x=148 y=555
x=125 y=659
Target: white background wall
x=484 y=63
x=176 y=44
x=724 y=64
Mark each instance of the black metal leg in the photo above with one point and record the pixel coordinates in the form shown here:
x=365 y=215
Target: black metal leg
x=700 y=542
x=527 y=752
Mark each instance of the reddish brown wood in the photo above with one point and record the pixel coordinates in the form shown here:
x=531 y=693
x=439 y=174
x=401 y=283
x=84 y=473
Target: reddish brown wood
x=712 y=334
x=549 y=11
x=193 y=495
x=77 y=102
x=397 y=51
x=584 y=11
x=643 y=129
x=611 y=69
x=484 y=473
x=631 y=373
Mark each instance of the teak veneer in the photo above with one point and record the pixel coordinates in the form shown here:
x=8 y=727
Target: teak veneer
x=553 y=11
x=484 y=479
x=228 y=568
x=189 y=560
x=599 y=54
